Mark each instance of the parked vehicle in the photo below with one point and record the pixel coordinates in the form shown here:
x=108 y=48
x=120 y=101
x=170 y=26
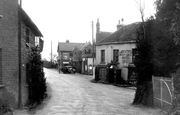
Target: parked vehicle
x=68 y=69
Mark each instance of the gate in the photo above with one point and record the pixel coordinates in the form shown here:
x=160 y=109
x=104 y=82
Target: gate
x=102 y=72
x=163 y=93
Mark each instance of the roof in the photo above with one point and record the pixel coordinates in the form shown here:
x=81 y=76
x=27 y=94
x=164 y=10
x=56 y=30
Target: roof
x=85 y=45
x=102 y=35
x=25 y=18
x=63 y=46
x=123 y=35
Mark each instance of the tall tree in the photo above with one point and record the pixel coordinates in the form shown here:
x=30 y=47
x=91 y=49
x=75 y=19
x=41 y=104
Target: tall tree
x=143 y=64
x=168 y=12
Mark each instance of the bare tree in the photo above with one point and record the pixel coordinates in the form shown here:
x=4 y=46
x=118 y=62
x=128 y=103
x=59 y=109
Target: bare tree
x=54 y=57
x=141 y=8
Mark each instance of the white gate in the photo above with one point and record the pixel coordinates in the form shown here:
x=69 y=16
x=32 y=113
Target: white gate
x=163 y=93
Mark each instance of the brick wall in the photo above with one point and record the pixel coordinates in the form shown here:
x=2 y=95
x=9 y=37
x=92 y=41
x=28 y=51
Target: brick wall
x=0 y=66
x=9 y=72
x=26 y=48
x=9 y=36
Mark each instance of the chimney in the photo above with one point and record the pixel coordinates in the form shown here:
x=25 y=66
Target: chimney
x=97 y=26
x=67 y=41
x=119 y=26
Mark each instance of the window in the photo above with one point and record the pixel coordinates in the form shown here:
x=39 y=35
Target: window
x=116 y=55
x=27 y=34
x=87 y=51
x=102 y=56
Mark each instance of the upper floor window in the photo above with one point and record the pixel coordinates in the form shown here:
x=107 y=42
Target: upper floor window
x=27 y=34
x=116 y=55
x=102 y=56
x=87 y=51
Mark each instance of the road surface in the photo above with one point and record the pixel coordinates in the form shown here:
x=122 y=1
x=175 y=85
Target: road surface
x=74 y=94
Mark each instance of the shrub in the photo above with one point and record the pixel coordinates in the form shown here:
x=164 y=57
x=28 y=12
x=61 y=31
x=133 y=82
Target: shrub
x=36 y=81
x=4 y=107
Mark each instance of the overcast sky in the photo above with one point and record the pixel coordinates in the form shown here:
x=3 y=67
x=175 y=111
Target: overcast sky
x=59 y=20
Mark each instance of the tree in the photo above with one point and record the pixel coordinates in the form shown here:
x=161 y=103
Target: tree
x=143 y=64
x=141 y=8
x=36 y=81
x=168 y=12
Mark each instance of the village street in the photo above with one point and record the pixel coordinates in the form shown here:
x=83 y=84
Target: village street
x=74 y=94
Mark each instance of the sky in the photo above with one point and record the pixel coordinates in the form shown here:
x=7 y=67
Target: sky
x=59 y=20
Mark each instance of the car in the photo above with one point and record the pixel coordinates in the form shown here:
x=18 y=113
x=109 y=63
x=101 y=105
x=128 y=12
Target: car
x=68 y=69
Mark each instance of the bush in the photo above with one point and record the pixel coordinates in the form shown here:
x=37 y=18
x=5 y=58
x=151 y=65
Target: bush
x=36 y=81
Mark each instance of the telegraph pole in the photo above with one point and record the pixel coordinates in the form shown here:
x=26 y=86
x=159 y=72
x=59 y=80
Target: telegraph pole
x=19 y=53
x=93 y=43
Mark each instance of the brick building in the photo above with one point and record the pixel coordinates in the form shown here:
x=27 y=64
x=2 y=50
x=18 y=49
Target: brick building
x=65 y=52
x=9 y=61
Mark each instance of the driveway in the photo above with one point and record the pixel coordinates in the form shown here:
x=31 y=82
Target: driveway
x=74 y=94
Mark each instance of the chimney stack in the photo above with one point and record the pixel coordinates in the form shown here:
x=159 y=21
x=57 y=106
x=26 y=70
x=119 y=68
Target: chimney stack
x=97 y=27
x=119 y=25
x=67 y=41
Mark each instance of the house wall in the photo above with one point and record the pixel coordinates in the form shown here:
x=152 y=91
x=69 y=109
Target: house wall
x=109 y=52
x=89 y=47
x=26 y=48
x=76 y=55
x=9 y=51
x=9 y=61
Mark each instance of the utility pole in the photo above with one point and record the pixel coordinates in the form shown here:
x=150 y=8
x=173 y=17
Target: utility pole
x=93 y=42
x=19 y=53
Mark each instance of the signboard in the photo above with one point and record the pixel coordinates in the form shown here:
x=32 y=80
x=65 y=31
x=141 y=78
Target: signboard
x=65 y=62
x=126 y=57
x=66 y=56
x=126 y=53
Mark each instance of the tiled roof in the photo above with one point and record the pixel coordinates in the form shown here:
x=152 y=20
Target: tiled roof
x=124 y=34
x=63 y=46
x=85 y=45
x=102 y=35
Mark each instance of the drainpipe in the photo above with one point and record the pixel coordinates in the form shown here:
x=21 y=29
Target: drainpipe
x=19 y=54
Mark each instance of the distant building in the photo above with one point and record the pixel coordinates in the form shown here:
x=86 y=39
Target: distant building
x=9 y=59
x=65 y=52
x=87 y=59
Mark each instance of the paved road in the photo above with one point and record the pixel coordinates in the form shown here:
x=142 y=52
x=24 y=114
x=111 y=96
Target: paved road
x=74 y=94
